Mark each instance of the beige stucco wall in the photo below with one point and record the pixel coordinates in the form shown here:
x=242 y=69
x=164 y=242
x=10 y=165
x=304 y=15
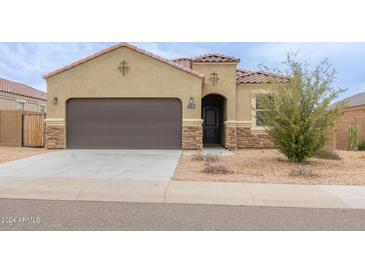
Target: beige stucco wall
x=226 y=85
x=9 y=102
x=146 y=77
x=240 y=99
x=244 y=108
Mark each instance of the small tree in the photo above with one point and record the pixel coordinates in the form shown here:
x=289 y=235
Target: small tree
x=298 y=116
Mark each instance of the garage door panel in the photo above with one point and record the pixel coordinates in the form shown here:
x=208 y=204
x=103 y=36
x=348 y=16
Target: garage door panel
x=124 y=123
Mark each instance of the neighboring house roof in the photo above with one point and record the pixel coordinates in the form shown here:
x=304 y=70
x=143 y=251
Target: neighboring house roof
x=120 y=45
x=256 y=77
x=16 y=88
x=186 y=62
x=207 y=58
x=355 y=100
x=215 y=58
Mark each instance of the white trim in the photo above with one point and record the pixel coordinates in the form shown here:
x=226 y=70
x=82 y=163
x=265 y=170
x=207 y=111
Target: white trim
x=192 y=122
x=54 y=121
x=258 y=130
x=244 y=124
x=236 y=123
x=231 y=123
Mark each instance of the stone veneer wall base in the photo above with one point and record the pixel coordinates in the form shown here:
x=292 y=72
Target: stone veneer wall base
x=192 y=137
x=55 y=136
x=230 y=137
x=245 y=139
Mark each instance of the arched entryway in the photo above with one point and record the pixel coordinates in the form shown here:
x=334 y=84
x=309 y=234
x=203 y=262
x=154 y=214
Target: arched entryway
x=212 y=115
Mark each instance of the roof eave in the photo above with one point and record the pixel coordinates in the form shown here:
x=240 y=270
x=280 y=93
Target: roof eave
x=117 y=46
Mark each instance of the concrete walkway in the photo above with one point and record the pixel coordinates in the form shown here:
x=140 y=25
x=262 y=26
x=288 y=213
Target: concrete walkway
x=213 y=193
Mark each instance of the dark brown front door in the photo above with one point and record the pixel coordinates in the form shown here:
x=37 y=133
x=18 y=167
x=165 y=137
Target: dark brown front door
x=211 y=125
x=115 y=123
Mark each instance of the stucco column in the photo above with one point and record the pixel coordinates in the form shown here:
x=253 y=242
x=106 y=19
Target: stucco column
x=192 y=134
x=55 y=133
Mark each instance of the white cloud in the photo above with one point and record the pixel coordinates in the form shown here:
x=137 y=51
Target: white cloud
x=171 y=52
x=311 y=52
x=156 y=49
x=28 y=62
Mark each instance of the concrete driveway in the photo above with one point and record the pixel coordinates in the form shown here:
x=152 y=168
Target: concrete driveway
x=97 y=164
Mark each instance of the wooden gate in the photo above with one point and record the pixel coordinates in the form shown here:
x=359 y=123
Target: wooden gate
x=33 y=130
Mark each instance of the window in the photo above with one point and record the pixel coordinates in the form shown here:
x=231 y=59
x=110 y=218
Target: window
x=42 y=108
x=21 y=105
x=259 y=109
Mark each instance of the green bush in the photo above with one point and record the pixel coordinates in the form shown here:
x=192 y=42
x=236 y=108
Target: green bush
x=297 y=115
x=361 y=146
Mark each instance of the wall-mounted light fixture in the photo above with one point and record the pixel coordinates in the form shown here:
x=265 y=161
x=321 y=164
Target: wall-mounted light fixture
x=191 y=104
x=55 y=100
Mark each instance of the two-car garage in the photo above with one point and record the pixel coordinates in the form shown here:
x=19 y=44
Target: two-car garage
x=124 y=97
x=123 y=123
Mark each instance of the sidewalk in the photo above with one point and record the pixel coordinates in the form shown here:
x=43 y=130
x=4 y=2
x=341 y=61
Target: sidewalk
x=212 y=193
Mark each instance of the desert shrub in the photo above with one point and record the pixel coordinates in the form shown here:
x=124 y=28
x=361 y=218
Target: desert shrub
x=302 y=171
x=327 y=155
x=353 y=137
x=210 y=158
x=215 y=168
x=361 y=146
x=197 y=157
x=297 y=114
x=205 y=157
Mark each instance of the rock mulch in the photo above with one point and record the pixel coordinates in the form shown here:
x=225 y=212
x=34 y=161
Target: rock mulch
x=270 y=166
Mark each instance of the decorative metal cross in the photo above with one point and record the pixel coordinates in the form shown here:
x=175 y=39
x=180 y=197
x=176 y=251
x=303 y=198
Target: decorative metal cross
x=123 y=67
x=214 y=78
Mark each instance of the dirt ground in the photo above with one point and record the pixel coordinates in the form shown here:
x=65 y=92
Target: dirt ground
x=270 y=166
x=14 y=153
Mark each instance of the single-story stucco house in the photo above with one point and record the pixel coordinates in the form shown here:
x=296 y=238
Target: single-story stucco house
x=354 y=112
x=125 y=97
x=17 y=96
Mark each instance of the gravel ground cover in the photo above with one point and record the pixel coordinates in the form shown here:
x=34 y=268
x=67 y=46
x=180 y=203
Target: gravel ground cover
x=270 y=166
x=14 y=153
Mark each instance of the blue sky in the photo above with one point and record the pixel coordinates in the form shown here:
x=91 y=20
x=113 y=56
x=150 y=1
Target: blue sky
x=28 y=62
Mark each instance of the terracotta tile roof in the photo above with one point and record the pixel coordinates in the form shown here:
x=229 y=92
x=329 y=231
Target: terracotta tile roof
x=181 y=59
x=169 y=62
x=215 y=58
x=186 y=62
x=12 y=87
x=256 y=77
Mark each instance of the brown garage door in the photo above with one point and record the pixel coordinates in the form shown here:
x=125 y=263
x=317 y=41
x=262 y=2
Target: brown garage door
x=124 y=123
